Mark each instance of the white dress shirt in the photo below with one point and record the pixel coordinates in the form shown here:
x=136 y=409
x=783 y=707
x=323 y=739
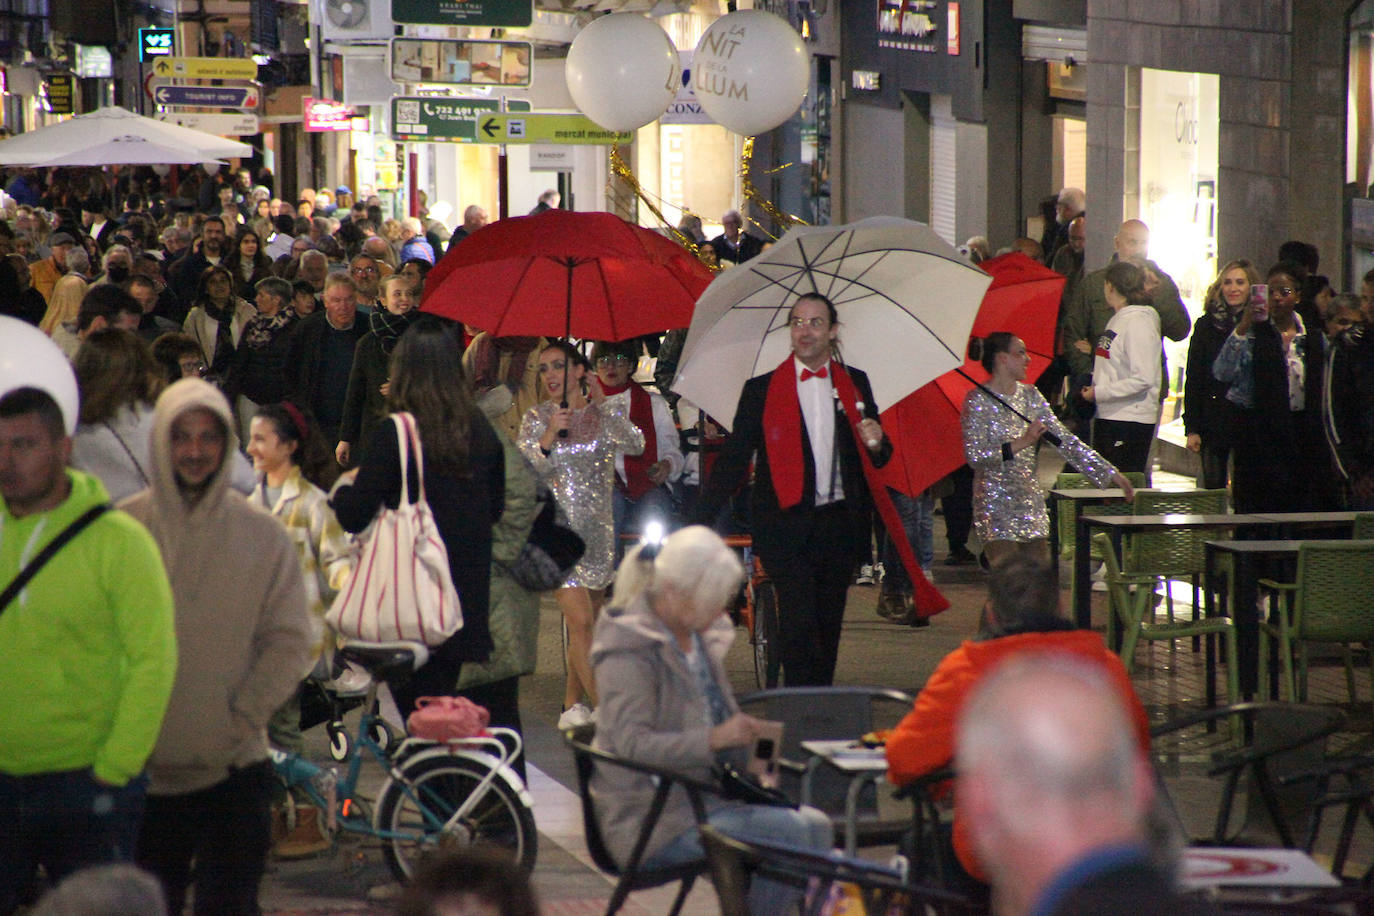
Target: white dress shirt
x=817 y=396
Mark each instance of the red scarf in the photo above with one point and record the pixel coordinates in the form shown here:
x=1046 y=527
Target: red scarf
x=782 y=439
x=637 y=481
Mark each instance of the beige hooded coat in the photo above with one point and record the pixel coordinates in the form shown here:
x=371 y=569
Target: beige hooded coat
x=244 y=636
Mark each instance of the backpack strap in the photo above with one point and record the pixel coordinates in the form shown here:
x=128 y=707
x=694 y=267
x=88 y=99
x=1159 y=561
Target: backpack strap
x=48 y=552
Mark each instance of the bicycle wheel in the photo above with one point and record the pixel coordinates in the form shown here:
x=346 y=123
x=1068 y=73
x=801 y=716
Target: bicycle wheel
x=765 y=635
x=441 y=784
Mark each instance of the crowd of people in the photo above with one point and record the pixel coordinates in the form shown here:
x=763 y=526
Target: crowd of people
x=239 y=357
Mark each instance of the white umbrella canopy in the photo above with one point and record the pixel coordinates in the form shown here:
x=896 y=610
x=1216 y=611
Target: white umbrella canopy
x=128 y=150
x=72 y=136
x=905 y=297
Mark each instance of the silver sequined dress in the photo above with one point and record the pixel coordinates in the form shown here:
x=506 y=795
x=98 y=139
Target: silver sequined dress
x=581 y=472
x=1008 y=504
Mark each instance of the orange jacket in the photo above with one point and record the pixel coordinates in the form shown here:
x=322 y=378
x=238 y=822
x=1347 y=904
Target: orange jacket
x=924 y=740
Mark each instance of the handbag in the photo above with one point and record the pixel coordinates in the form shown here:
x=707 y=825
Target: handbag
x=737 y=786
x=447 y=719
x=551 y=549
x=401 y=589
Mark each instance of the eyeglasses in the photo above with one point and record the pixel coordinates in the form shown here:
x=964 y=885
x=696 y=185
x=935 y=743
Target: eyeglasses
x=364 y=270
x=816 y=323
x=607 y=361
x=194 y=366
x=1282 y=290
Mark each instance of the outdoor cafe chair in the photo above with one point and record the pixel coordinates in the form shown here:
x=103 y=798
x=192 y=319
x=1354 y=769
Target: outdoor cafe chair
x=1332 y=600
x=1174 y=554
x=1131 y=618
x=633 y=876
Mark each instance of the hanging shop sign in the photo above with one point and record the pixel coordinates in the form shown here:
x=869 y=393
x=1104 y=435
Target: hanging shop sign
x=59 y=93
x=497 y=13
x=461 y=63
x=325 y=115
x=156 y=43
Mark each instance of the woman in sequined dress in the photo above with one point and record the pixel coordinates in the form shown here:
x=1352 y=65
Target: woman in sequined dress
x=1009 y=512
x=580 y=469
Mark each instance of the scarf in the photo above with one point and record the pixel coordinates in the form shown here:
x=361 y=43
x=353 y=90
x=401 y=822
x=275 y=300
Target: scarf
x=782 y=440
x=486 y=361
x=388 y=327
x=261 y=329
x=637 y=482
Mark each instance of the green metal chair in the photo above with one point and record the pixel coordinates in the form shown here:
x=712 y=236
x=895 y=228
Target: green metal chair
x=1068 y=511
x=1331 y=601
x=1172 y=554
x=1364 y=526
x=1132 y=600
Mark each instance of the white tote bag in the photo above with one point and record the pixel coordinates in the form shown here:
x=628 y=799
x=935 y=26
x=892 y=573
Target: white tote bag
x=400 y=588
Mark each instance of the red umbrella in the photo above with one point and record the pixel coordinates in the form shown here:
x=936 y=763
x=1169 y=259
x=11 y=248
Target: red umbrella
x=924 y=427
x=589 y=275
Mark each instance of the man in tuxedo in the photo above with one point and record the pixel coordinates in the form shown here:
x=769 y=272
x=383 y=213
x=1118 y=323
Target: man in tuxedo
x=811 y=504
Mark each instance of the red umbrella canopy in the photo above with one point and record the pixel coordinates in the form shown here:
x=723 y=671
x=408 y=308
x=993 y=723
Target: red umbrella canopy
x=588 y=275
x=924 y=427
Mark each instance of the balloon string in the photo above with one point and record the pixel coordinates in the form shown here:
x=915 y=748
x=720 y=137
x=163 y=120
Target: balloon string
x=756 y=197
x=622 y=170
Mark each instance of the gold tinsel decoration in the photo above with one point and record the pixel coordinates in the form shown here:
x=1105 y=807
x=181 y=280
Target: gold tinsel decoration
x=756 y=197
x=622 y=170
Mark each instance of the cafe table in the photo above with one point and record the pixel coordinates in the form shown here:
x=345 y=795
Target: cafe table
x=1248 y=559
x=861 y=765
x=1118 y=526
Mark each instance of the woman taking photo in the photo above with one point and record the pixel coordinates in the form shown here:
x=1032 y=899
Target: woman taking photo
x=292 y=464
x=1009 y=512
x=1265 y=360
x=666 y=701
x=1206 y=413
x=1127 y=372
x=216 y=320
x=464 y=482
x=571 y=439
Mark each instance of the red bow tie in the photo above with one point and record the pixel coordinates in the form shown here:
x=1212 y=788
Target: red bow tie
x=822 y=372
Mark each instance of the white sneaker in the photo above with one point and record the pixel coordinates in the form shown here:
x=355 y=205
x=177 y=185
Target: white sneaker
x=865 y=576
x=576 y=716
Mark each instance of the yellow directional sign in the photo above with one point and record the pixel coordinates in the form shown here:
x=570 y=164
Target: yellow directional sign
x=546 y=127
x=206 y=68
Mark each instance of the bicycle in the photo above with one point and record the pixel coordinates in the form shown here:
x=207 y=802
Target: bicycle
x=436 y=794
x=759 y=613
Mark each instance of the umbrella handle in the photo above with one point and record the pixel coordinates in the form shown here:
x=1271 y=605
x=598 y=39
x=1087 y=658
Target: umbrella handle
x=1048 y=436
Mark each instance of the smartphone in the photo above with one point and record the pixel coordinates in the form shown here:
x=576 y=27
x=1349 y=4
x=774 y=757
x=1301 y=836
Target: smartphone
x=1259 y=302
x=763 y=757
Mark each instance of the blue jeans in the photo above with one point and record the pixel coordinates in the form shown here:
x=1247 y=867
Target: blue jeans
x=63 y=821
x=918 y=521
x=806 y=828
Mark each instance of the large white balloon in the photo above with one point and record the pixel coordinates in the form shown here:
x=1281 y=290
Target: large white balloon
x=622 y=71
x=750 y=71
x=29 y=359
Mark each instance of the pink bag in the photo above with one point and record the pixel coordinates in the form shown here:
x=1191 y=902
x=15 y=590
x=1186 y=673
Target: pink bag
x=447 y=719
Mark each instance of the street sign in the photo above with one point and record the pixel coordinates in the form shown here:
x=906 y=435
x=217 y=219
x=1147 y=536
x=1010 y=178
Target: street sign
x=437 y=119
x=547 y=127
x=206 y=68
x=504 y=13
x=59 y=91
x=206 y=96
x=156 y=43
x=225 y=125
x=461 y=63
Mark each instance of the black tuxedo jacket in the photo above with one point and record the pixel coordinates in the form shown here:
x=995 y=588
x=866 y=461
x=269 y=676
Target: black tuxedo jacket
x=781 y=535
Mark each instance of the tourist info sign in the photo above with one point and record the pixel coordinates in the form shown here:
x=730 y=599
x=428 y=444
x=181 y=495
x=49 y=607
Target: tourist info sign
x=440 y=119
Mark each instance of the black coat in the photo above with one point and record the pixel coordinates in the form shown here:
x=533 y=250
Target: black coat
x=1205 y=408
x=464 y=509
x=749 y=246
x=303 y=355
x=781 y=534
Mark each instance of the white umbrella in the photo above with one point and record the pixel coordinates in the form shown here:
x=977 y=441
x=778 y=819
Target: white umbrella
x=72 y=136
x=128 y=150
x=906 y=302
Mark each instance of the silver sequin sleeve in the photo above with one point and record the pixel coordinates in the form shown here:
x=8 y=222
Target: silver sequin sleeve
x=1008 y=504
x=580 y=470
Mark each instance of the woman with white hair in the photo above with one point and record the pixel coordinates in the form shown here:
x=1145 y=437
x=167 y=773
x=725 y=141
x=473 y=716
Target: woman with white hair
x=658 y=655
